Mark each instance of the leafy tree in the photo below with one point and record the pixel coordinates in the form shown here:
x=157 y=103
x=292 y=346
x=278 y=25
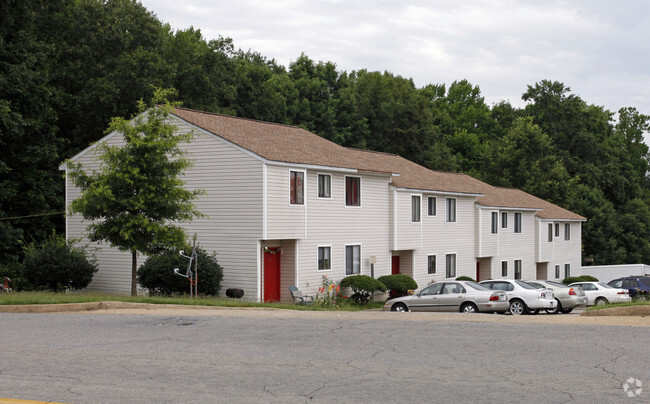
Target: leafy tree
x=157 y=273
x=56 y=265
x=137 y=193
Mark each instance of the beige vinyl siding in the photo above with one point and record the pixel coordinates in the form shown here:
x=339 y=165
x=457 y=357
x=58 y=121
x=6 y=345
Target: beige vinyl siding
x=232 y=180
x=517 y=246
x=567 y=252
x=488 y=242
x=441 y=238
x=331 y=223
x=284 y=220
x=409 y=234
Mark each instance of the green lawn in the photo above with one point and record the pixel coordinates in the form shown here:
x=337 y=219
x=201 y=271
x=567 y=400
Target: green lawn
x=21 y=298
x=609 y=306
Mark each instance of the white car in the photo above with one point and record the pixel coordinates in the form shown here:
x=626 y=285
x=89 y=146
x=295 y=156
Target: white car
x=567 y=297
x=523 y=298
x=599 y=293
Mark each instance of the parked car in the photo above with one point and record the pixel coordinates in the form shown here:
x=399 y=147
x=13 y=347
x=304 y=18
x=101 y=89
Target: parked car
x=638 y=286
x=523 y=298
x=599 y=293
x=463 y=296
x=567 y=297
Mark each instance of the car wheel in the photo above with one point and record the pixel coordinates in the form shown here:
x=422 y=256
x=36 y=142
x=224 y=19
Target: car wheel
x=517 y=308
x=557 y=308
x=567 y=311
x=468 y=308
x=399 y=307
x=601 y=301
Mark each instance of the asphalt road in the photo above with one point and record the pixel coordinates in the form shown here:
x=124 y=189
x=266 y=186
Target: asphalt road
x=99 y=358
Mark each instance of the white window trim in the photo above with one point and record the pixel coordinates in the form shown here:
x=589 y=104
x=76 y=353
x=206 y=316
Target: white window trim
x=317 y=184
x=455 y=210
x=494 y=224
x=420 y=215
x=331 y=266
x=455 y=275
x=504 y=221
x=507 y=270
x=435 y=205
x=360 y=192
x=567 y=235
x=514 y=269
x=557 y=271
x=304 y=188
x=345 y=269
x=565 y=274
x=521 y=223
x=437 y=264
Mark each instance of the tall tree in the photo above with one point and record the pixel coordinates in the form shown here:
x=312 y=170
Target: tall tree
x=137 y=193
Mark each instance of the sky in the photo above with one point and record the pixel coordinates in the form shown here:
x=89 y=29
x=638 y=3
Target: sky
x=598 y=48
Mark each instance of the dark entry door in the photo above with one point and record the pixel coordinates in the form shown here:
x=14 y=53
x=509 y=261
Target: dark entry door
x=395 y=265
x=272 y=274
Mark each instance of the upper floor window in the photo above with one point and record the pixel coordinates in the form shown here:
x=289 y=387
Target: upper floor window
x=431 y=205
x=352 y=259
x=550 y=232
x=451 y=266
x=352 y=191
x=557 y=230
x=495 y=222
x=504 y=220
x=431 y=264
x=324 y=258
x=324 y=186
x=297 y=188
x=517 y=269
x=567 y=231
x=415 y=208
x=451 y=209
x=517 y=222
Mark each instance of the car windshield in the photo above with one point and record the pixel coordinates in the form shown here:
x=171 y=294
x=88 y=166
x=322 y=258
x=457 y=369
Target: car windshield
x=606 y=286
x=559 y=285
x=525 y=285
x=476 y=286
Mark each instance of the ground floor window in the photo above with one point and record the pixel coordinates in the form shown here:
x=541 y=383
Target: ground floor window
x=352 y=260
x=324 y=254
x=451 y=266
x=431 y=266
x=517 y=269
x=567 y=270
x=557 y=272
x=504 y=268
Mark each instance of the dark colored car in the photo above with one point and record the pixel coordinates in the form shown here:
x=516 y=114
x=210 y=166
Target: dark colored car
x=639 y=286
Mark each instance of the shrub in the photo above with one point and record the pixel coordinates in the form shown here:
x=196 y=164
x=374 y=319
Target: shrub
x=362 y=287
x=398 y=284
x=588 y=278
x=465 y=278
x=13 y=271
x=157 y=273
x=583 y=278
x=55 y=265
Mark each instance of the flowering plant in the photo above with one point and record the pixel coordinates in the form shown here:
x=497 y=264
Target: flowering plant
x=330 y=294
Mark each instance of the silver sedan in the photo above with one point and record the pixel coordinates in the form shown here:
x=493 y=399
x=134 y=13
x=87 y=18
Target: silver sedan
x=567 y=297
x=454 y=296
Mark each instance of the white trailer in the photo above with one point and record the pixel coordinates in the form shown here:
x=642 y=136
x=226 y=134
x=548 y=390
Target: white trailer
x=606 y=273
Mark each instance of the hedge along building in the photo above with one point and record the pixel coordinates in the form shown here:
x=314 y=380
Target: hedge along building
x=286 y=207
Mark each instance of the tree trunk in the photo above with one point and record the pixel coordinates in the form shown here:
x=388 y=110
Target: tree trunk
x=134 y=268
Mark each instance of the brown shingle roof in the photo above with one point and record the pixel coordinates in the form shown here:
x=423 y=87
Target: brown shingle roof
x=291 y=144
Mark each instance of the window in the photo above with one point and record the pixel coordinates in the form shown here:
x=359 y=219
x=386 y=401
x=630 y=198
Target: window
x=324 y=254
x=415 y=208
x=352 y=259
x=324 y=186
x=550 y=232
x=504 y=220
x=517 y=269
x=567 y=270
x=504 y=268
x=517 y=222
x=567 y=231
x=451 y=266
x=557 y=230
x=451 y=209
x=352 y=191
x=432 y=205
x=557 y=272
x=495 y=222
x=297 y=188
x=431 y=266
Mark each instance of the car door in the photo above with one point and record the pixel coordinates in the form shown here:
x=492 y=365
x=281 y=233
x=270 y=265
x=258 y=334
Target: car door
x=591 y=291
x=427 y=299
x=451 y=296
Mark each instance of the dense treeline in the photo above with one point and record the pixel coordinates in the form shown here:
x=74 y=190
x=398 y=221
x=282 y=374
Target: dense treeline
x=68 y=66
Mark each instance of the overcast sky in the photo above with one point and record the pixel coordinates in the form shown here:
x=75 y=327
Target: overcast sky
x=598 y=48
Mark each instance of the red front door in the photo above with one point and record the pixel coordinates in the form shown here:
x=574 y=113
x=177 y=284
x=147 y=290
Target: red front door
x=272 y=274
x=395 y=265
